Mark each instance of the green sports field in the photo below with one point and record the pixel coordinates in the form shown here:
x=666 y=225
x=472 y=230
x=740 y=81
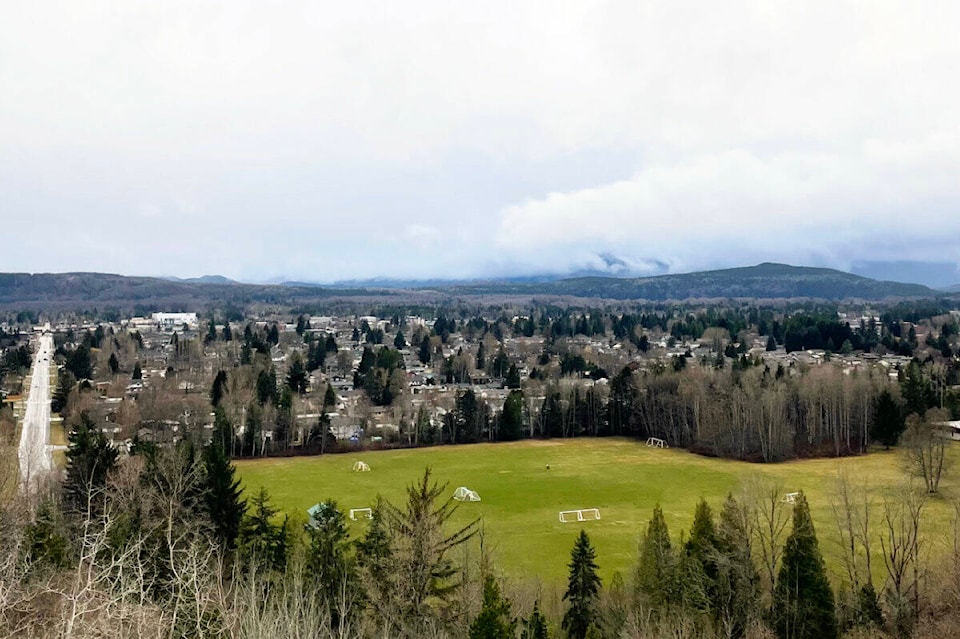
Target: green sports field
x=521 y=497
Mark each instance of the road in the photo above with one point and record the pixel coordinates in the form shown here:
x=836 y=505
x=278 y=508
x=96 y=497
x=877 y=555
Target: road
x=36 y=460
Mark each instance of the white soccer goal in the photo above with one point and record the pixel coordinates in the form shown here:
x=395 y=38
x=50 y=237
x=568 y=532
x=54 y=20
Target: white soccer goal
x=791 y=498
x=465 y=494
x=361 y=466
x=656 y=442
x=584 y=514
x=361 y=512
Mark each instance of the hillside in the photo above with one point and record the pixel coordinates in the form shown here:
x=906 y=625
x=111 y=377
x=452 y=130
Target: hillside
x=81 y=290
x=766 y=281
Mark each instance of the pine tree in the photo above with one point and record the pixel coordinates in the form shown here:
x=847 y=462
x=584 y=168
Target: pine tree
x=803 y=603
x=738 y=584
x=888 y=423
x=701 y=565
x=536 y=626
x=222 y=496
x=137 y=372
x=297 y=375
x=90 y=458
x=424 y=353
x=656 y=566
x=218 y=388
x=114 y=364
x=399 y=342
x=65 y=383
x=327 y=558
x=422 y=546
x=583 y=589
x=330 y=396
x=260 y=540
x=494 y=620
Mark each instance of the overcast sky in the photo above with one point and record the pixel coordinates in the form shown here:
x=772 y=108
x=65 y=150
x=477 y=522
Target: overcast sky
x=333 y=140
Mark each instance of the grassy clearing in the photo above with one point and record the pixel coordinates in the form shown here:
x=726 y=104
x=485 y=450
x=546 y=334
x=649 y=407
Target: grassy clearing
x=521 y=498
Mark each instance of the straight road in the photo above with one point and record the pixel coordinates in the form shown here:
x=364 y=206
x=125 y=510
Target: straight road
x=36 y=462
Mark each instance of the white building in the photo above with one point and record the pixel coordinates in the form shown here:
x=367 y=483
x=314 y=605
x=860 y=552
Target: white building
x=175 y=321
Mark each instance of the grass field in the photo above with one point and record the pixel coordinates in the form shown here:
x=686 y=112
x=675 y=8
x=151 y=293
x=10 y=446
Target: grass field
x=521 y=497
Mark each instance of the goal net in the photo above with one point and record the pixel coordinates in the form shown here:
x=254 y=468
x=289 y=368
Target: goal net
x=356 y=513
x=583 y=514
x=361 y=466
x=656 y=442
x=465 y=494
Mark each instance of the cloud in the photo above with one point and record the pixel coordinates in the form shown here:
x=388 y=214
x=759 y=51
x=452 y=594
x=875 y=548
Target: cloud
x=885 y=200
x=303 y=138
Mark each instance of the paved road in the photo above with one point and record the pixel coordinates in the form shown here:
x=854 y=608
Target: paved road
x=34 y=453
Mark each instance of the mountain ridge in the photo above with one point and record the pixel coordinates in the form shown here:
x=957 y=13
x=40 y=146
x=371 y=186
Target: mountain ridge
x=769 y=280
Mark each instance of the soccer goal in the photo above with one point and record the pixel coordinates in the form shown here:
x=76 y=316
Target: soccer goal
x=356 y=513
x=584 y=514
x=656 y=442
x=465 y=494
x=791 y=498
x=361 y=466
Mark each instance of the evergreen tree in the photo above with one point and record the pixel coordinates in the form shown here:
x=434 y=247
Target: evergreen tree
x=422 y=546
x=327 y=557
x=211 y=335
x=399 y=342
x=65 y=383
x=536 y=626
x=260 y=540
x=771 y=343
x=267 y=387
x=888 y=422
x=222 y=495
x=330 y=396
x=218 y=389
x=222 y=430
x=656 y=566
x=481 y=357
x=513 y=377
x=137 y=372
x=90 y=458
x=701 y=551
x=297 y=375
x=114 y=364
x=494 y=620
x=803 y=603
x=424 y=353
x=377 y=561
x=737 y=592
x=583 y=589
x=511 y=419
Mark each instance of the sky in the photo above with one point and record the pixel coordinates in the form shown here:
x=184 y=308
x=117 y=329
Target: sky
x=324 y=141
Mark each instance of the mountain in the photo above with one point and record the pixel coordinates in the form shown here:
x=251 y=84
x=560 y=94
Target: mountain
x=764 y=281
x=85 y=290
x=955 y=288
x=142 y=294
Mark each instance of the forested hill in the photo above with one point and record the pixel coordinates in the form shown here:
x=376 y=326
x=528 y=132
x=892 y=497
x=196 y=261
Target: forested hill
x=764 y=281
x=72 y=290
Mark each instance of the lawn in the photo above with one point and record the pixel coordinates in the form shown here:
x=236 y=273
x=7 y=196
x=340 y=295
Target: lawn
x=521 y=496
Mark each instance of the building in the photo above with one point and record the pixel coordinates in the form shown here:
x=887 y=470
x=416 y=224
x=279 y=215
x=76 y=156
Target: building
x=175 y=321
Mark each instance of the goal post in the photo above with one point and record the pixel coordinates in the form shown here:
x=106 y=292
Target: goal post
x=656 y=442
x=356 y=513
x=582 y=514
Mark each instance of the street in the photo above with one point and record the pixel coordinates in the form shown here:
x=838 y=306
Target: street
x=34 y=452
